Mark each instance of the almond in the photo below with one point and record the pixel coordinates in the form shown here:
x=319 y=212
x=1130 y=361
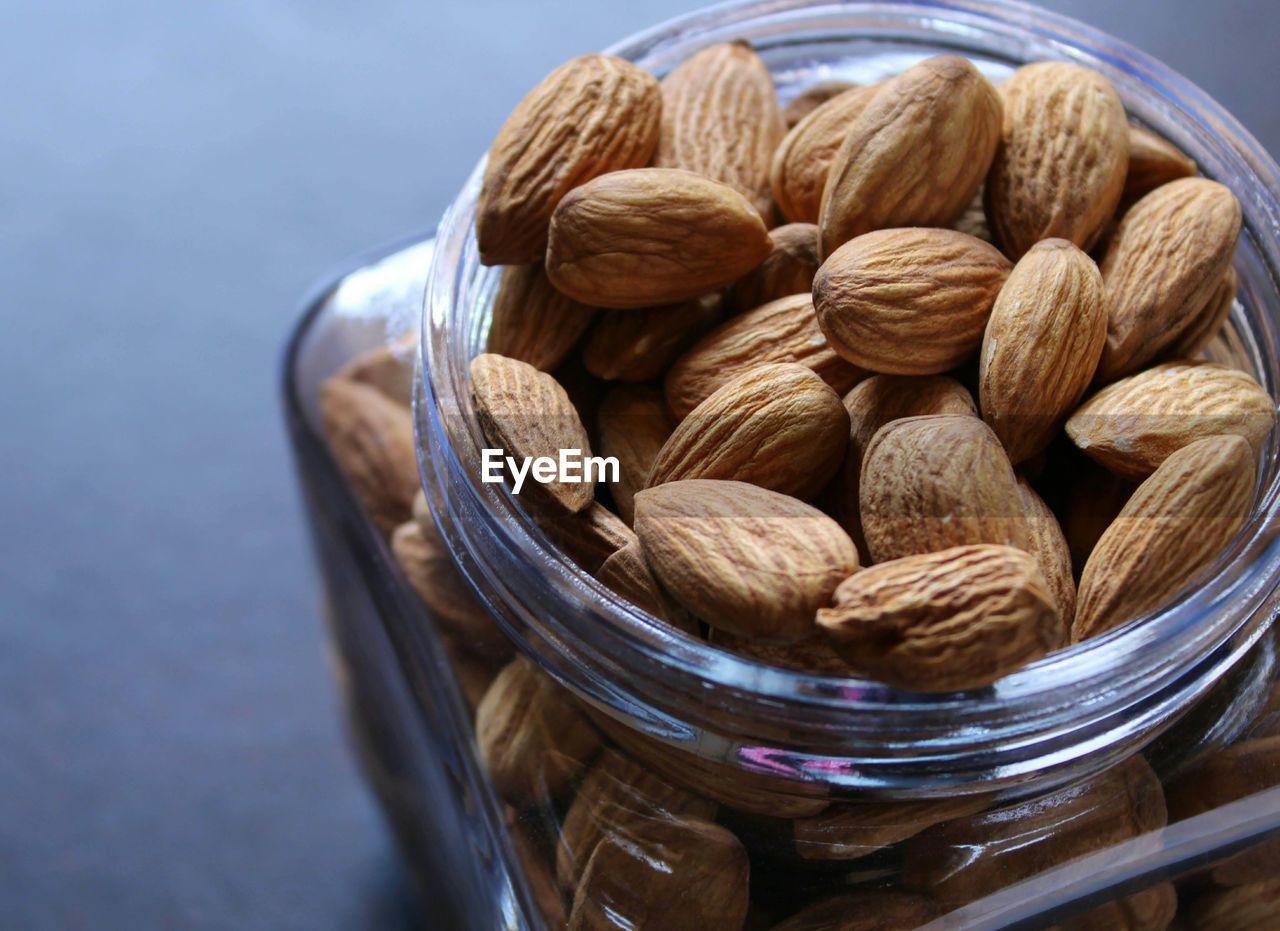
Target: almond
x=525 y=412
x=1152 y=909
x=633 y=426
x=1243 y=908
x=589 y=537
x=638 y=345
x=1153 y=161
x=956 y=619
x=788 y=269
x=864 y=910
x=1047 y=543
x=592 y=115
x=974 y=219
x=1064 y=151
x=674 y=873
x=627 y=573
x=1161 y=267
x=778 y=426
x=784 y=330
x=803 y=159
x=856 y=829
x=1041 y=346
x=915 y=154
x=1208 y=322
x=1175 y=524
x=1092 y=499
x=933 y=482
x=652 y=236
x=532 y=739
x=721 y=119
x=1134 y=424
x=371 y=437
x=746 y=560
x=532 y=321
x=388 y=368
x=811 y=98
x=813 y=654
x=908 y=301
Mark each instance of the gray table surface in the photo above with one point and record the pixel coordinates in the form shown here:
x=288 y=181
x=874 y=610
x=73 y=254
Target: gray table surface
x=173 y=177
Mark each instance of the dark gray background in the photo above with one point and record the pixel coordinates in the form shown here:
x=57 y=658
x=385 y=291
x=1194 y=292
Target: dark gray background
x=173 y=177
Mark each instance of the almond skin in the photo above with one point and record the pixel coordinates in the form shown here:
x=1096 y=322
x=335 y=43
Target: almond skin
x=811 y=98
x=633 y=426
x=1048 y=544
x=849 y=831
x=746 y=560
x=628 y=574
x=1041 y=346
x=929 y=483
x=1175 y=524
x=526 y=413
x=960 y=618
x=785 y=330
x=652 y=236
x=1208 y=323
x=532 y=321
x=1161 y=267
x=1153 y=161
x=813 y=654
x=908 y=301
x=915 y=154
x=803 y=159
x=589 y=537
x=592 y=115
x=639 y=345
x=1134 y=424
x=1240 y=908
x=1064 y=152
x=777 y=426
x=388 y=368
x=865 y=910
x=788 y=269
x=721 y=119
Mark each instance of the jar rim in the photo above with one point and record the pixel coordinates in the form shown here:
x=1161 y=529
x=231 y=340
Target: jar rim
x=1072 y=703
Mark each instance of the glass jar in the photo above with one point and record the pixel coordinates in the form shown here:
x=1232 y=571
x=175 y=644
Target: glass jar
x=771 y=747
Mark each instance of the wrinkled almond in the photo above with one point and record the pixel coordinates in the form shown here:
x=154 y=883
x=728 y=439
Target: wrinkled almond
x=811 y=98
x=788 y=269
x=627 y=573
x=638 y=345
x=1153 y=161
x=532 y=321
x=633 y=426
x=1047 y=543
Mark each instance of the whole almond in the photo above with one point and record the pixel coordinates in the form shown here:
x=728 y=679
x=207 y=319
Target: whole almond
x=785 y=330
x=1134 y=424
x=1153 y=161
x=1092 y=499
x=592 y=115
x=864 y=910
x=388 y=368
x=915 y=154
x=1048 y=544
x=525 y=412
x=721 y=119
x=934 y=482
x=532 y=738
x=532 y=321
x=811 y=98
x=1241 y=908
x=672 y=873
x=956 y=619
x=778 y=426
x=813 y=654
x=1064 y=151
x=853 y=830
x=1208 y=322
x=633 y=426
x=803 y=159
x=589 y=537
x=908 y=301
x=371 y=437
x=1041 y=346
x=745 y=559
x=1152 y=909
x=788 y=269
x=627 y=573
x=1161 y=267
x=639 y=345
x=1177 y=521
x=652 y=236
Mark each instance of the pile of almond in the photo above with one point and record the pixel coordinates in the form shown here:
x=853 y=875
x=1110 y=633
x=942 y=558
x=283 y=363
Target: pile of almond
x=848 y=368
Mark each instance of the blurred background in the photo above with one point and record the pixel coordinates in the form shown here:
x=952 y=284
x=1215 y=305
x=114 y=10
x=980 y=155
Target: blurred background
x=173 y=179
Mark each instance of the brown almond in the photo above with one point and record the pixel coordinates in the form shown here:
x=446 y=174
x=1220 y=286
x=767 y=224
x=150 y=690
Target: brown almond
x=746 y=560
x=1153 y=161
x=589 y=537
x=956 y=619
x=1041 y=346
x=1048 y=544
x=908 y=301
x=915 y=154
x=803 y=160
x=974 y=219
x=811 y=98
x=1134 y=424
x=1241 y=908
x=1152 y=909
x=778 y=426
x=371 y=437
x=627 y=573
x=857 y=829
x=652 y=236
x=785 y=330
x=1161 y=267
x=593 y=114
x=532 y=738
x=633 y=426
x=864 y=910
x=721 y=119
x=639 y=345
x=1175 y=524
x=788 y=269
x=526 y=413
x=388 y=368
x=934 y=482
x=813 y=654
x=1064 y=151
x=532 y=321
x=1208 y=322
x=1092 y=499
